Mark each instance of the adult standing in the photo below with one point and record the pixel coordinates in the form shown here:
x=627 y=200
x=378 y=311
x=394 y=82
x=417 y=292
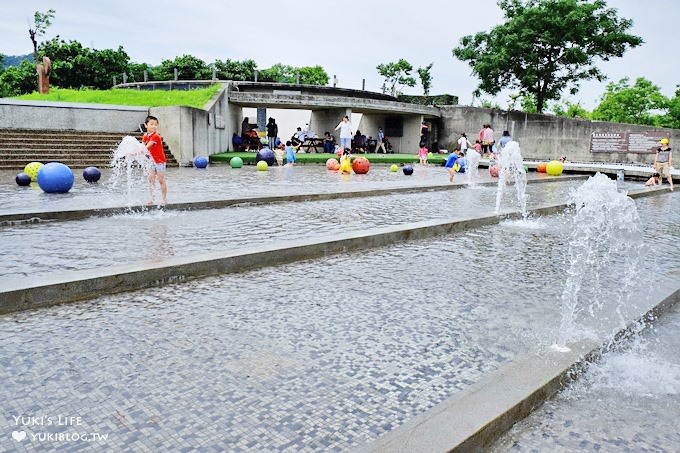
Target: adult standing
x=424 y=134
x=487 y=139
x=345 y=133
x=380 y=143
x=245 y=127
x=272 y=132
x=663 y=161
x=505 y=138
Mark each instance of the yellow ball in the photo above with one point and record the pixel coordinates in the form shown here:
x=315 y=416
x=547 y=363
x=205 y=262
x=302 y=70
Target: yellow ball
x=32 y=170
x=554 y=168
x=394 y=168
x=262 y=166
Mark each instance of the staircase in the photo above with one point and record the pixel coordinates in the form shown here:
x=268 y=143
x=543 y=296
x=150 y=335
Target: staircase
x=73 y=148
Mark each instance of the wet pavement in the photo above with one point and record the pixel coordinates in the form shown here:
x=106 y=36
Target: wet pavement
x=318 y=355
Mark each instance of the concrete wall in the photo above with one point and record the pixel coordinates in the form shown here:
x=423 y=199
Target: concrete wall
x=324 y=120
x=191 y=132
x=541 y=136
x=15 y=114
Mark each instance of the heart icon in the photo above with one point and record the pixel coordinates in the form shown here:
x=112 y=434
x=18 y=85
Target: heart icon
x=19 y=435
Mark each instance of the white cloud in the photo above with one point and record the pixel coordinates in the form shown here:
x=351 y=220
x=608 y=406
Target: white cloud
x=348 y=39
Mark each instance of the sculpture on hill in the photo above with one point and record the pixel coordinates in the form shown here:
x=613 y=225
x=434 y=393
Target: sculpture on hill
x=43 y=69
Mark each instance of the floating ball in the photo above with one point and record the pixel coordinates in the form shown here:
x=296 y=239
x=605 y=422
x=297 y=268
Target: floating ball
x=55 y=177
x=267 y=155
x=430 y=155
x=554 y=168
x=494 y=171
x=408 y=169
x=332 y=164
x=92 y=174
x=262 y=165
x=361 y=165
x=23 y=179
x=32 y=170
x=200 y=162
x=236 y=162
x=542 y=167
x=394 y=168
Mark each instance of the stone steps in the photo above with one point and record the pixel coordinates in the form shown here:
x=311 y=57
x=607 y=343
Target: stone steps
x=73 y=148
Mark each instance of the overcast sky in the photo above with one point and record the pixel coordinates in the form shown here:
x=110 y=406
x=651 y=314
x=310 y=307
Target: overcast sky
x=348 y=39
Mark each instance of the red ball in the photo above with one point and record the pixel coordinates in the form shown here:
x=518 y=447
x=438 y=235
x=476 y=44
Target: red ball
x=542 y=167
x=361 y=165
x=493 y=171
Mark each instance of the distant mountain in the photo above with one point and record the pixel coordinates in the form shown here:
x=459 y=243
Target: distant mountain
x=15 y=60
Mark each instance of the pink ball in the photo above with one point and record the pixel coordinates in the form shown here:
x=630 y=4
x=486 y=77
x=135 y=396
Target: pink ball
x=493 y=171
x=332 y=164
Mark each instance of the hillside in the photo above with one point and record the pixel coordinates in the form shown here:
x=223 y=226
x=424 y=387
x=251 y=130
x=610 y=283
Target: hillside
x=15 y=60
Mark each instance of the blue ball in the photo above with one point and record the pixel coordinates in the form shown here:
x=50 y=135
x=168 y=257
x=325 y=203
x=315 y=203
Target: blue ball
x=266 y=155
x=23 y=179
x=408 y=169
x=200 y=162
x=92 y=174
x=55 y=177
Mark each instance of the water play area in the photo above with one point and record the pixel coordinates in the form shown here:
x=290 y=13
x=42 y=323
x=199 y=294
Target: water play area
x=335 y=352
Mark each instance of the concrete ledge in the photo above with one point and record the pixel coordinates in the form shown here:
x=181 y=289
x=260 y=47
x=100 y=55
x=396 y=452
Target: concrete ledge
x=15 y=114
x=79 y=214
x=57 y=288
x=473 y=418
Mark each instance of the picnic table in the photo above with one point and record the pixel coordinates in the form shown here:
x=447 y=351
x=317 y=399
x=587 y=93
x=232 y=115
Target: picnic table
x=312 y=142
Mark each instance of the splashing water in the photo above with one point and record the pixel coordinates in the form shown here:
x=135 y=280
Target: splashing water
x=129 y=156
x=512 y=169
x=604 y=252
x=472 y=168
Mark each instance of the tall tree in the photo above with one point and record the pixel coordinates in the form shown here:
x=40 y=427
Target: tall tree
x=188 y=68
x=425 y=78
x=546 y=46
x=235 y=70
x=40 y=23
x=309 y=75
x=637 y=104
x=397 y=75
x=672 y=118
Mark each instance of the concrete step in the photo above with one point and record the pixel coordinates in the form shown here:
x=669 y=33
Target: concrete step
x=53 y=141
x=73 y=148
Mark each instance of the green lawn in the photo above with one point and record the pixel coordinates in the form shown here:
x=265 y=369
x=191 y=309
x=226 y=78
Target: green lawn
x=127 y=96
x=321 y=158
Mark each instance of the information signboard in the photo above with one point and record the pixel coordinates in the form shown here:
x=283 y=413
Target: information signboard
x=625 y=142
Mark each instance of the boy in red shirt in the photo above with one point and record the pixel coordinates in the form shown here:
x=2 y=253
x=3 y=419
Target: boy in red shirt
x=154 y=144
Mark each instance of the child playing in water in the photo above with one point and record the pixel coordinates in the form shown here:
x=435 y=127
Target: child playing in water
x=451 y=162
x=346 y=162
x=478 y=147
x=154 y=145
x=290 y=153
x=422 y=154
x=278 y=152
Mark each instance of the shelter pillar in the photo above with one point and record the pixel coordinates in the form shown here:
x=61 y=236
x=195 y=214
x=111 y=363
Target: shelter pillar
x=321 y=121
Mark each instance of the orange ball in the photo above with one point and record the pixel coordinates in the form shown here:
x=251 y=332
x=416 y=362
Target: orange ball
x=332 y=164
x=542 y=167
x=493 y=171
